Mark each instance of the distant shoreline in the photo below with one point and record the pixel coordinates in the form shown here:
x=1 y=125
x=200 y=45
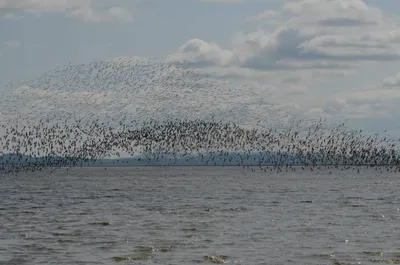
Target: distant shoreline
x=282 y=166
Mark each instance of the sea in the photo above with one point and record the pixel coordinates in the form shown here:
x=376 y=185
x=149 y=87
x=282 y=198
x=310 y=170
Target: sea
x=200 y=215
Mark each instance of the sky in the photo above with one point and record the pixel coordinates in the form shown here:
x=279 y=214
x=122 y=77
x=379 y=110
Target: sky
x=337 y=59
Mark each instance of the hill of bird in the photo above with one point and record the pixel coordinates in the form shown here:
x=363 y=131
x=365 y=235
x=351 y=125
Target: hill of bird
x=194 y=142
x=158 y=113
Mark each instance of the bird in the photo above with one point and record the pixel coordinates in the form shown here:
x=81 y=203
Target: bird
x=61 y=145
x=157 y=112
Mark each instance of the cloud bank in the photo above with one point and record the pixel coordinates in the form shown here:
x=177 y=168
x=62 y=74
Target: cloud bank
x=330 y=33
x=282 y=63
x=309 y=42
x=81 y=9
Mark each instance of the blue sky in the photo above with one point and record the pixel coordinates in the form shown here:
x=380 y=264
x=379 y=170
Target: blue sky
x=335 y=58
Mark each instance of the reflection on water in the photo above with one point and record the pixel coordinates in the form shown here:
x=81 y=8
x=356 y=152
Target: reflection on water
x=191 y=215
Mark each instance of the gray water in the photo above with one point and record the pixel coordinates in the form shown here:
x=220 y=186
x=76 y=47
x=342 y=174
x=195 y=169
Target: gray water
x=179 y=215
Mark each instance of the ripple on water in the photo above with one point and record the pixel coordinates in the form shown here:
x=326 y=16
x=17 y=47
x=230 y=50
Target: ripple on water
x=149 y=216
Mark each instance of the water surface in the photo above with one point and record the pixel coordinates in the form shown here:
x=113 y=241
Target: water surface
x=179 y=215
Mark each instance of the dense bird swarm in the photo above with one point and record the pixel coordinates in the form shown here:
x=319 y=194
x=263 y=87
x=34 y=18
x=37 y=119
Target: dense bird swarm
x=163 y=113
x=139 y=89
x=299 y=146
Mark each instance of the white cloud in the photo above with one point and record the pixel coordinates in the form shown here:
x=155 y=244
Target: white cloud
x=113 y=13
x=43 y=5
x=82 y=9
x=339 y=34
x=265 y=15
x=12 y=43
x=375 y=101
x=199 y=51
x=119 y=13
x=392 y=82
x=315 y=41
x=319 y=39
x=7 y=15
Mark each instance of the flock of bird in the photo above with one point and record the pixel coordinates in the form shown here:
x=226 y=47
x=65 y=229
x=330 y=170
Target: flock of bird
x=161 y=113
x=299 y=146
x=137 y=88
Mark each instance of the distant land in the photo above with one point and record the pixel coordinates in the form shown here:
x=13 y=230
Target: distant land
x=233 y=159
